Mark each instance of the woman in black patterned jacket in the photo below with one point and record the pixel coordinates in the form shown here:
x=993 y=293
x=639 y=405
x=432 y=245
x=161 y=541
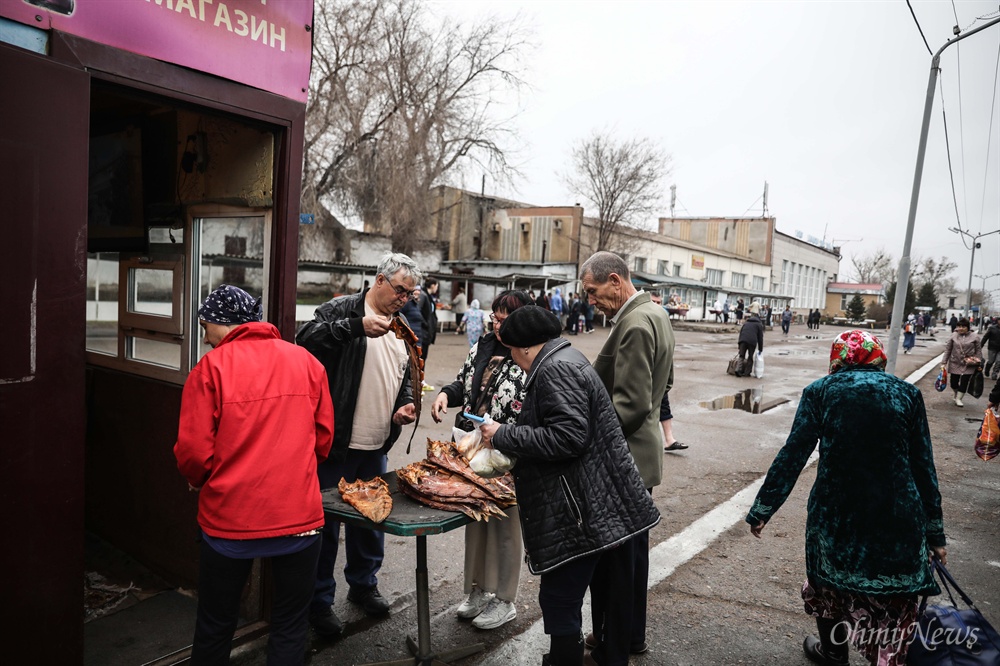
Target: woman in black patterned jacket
x=578 y=489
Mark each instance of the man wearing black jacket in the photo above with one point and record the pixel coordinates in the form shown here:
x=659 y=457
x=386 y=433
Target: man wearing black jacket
x=369 y=374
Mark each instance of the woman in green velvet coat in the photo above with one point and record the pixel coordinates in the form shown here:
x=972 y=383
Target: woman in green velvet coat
x=874 y=514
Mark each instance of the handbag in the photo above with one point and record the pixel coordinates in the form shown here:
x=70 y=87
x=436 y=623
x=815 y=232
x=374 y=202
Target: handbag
x=735 y=366
x=941 y=383
x=976 y=383
x=947 y=636
x=758 y=365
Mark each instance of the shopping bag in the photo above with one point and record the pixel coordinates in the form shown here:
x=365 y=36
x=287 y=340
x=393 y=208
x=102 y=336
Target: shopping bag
x=758 y=365
x=735 y=366
x=948 y=636
x=988 y=439
x=941 y=383
x=976 y=383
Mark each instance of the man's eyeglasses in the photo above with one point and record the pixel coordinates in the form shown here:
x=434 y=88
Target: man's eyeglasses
x=401 y=292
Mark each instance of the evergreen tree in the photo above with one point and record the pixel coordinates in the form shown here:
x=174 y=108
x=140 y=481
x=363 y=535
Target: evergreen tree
x=911 y=298
x=927 y=296
x=856 y=308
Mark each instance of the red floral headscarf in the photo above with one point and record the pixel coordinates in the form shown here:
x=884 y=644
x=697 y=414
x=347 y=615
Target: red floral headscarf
x=856 y=348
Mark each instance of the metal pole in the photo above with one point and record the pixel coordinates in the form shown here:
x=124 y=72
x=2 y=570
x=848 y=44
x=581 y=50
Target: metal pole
x=968 y=293
x=903 y=276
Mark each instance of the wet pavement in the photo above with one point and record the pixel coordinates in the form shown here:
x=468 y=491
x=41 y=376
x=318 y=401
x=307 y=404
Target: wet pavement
x=718 y=596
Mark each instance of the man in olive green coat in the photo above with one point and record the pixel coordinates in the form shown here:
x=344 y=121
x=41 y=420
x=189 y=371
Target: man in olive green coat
x=636 y=365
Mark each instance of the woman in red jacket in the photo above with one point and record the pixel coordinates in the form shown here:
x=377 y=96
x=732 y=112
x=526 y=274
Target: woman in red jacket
x=255 y=420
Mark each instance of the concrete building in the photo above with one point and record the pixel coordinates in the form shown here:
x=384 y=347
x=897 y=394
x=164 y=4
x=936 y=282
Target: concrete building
x=802 y=271
x=840 y=294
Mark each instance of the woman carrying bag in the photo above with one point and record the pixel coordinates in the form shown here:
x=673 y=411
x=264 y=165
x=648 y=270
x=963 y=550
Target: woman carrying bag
x=874 y=514
x=962 y=357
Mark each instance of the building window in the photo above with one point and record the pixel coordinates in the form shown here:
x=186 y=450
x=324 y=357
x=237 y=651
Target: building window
x=640 y=264
x=844 y=300
x=739 y=280
x=663 y=268
x=758 y=283
x=713 y=276
x=677 y=270
x=785 y=278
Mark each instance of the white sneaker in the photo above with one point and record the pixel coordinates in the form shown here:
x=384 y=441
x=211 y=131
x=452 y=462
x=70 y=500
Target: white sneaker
x=497 y=614
x=476 y=603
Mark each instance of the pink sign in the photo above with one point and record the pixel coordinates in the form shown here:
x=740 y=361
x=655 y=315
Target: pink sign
x=266 y=44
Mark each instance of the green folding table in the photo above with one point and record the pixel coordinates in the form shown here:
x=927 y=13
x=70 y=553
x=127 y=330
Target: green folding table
x=409 y=518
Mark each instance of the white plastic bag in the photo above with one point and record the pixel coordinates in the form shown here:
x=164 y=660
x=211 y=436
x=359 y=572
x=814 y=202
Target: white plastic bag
x=758 y=365
x=484 y=460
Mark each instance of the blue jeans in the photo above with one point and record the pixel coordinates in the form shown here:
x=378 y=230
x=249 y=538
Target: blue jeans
x=365 y=548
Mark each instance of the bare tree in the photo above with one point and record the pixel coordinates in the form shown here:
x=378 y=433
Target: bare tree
x=935 y=273
x=621 y=179
x=878 y=267
x=400 y=102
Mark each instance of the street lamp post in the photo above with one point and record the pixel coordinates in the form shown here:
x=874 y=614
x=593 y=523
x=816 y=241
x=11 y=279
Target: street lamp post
x=903 y=277
x=982 y=305
x=972 y=262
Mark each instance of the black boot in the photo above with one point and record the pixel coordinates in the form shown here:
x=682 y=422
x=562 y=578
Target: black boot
x=565 y=650
x=831 y=648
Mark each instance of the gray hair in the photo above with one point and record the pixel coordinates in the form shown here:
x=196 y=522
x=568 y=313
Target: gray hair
x=394 y=262
x=602 y=264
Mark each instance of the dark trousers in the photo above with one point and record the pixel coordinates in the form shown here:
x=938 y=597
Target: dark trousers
x=365 y=548
x=613 y=603
x=959 y=382
x=785 y=325
x=747 y=350
x=220 y=586
x=560 y=596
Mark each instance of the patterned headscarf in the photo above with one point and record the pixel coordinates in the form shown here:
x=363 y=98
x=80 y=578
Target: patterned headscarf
x=856 y=348
x=230 y=306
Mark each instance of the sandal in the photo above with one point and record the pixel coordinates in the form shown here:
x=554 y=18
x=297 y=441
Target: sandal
x=676 y=446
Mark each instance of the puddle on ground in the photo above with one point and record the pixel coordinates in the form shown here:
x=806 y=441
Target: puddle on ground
x=748 y=400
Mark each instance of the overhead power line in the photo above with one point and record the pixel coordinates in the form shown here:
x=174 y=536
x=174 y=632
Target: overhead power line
x=919 y=28
x=989 y=137
x=947 y=147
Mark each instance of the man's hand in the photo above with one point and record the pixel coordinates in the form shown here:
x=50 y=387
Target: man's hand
x=756 y=529
x=439 y=407
x=939 y=553
x=405 y=414
x=375 y=327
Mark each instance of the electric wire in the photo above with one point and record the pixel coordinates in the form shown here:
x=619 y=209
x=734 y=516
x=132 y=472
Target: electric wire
x=989 y=138
x=951 y=173
x=919 y=28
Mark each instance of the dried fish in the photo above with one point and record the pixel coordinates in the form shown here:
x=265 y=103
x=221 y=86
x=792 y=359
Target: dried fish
x=371 y=498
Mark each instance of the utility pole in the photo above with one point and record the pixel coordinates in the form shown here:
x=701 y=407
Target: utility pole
x=903 y=276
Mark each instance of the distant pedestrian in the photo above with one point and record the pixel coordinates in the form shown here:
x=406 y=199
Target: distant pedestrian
x=953 y=323
x=786 y=319
x=725 y=311
x=909 y=334
x=459 y=304
x=991 y=341
x=739 y=310
x=474 y=322
x=751 y=340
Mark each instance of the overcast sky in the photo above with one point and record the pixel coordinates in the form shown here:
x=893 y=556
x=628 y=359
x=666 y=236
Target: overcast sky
x=823 y=100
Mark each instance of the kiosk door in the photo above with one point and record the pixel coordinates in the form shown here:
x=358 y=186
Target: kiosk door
x=44 y=125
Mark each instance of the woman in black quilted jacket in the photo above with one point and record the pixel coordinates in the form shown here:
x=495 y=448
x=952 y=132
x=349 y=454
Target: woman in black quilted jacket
x=579 y=492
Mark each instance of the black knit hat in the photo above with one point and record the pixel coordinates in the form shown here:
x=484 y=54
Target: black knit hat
x=528 y=326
